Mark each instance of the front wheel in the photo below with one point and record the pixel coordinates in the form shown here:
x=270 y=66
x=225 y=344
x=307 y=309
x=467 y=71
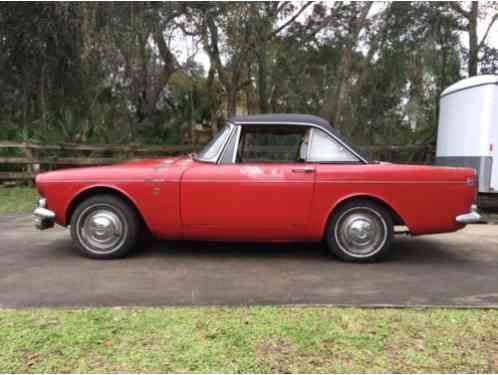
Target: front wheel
x=360 y=231
x=104 y=227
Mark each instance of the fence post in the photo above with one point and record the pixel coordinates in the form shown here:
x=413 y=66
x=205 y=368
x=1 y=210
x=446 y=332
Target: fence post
x=28 y=153
x=131 y=152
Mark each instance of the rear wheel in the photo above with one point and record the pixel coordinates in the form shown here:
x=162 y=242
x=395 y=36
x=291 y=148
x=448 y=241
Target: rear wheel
x=104 y=227
x=360 y=231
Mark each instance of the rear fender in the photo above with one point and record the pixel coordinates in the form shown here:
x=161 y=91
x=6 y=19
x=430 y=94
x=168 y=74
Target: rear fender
x=397 y=218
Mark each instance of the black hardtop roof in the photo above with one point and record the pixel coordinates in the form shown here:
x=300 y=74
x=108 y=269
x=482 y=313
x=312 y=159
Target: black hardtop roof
x=291 y=119
x=283 y=118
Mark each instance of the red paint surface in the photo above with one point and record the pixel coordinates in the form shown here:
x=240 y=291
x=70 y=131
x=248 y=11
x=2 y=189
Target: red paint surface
x=182 y=198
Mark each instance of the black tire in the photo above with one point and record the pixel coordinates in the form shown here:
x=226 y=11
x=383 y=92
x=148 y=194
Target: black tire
x=360 y=231
x=104 y=217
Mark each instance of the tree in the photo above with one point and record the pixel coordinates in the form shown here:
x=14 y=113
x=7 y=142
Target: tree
x=469 y=20
x=143 y=54
x=243 y=32
x=355 y=22
x=265 y=17
x=102 y=72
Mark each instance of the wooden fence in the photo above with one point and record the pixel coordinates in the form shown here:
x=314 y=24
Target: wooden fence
x=38 y=158
x=22 y=161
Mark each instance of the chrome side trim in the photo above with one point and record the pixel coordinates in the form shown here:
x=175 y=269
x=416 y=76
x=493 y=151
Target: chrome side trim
x=469 y=218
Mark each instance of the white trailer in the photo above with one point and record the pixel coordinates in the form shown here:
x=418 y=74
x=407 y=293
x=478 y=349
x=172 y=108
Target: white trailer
x=468 y=132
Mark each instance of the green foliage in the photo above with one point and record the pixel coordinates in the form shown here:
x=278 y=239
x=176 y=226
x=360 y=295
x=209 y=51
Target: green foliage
x=118 y=72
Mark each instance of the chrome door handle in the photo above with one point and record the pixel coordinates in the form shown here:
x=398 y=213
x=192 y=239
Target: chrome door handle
x=303 y=170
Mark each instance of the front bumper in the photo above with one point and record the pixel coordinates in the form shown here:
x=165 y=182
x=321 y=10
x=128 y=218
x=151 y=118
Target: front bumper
x=43 y=218
x=469 y=218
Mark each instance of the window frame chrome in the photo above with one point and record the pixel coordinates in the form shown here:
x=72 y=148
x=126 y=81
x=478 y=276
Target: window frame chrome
x=310 y=142
x=234 y=133
x=236 y=148
x=310 y=125
x=216 y=159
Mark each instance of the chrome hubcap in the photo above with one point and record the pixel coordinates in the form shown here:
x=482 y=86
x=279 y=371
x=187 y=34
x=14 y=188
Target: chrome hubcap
x=101 y=230
x=361 y=232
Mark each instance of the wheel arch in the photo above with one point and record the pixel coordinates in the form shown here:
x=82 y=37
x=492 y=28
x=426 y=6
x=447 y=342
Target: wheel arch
x=397 y=218
x=98 y=190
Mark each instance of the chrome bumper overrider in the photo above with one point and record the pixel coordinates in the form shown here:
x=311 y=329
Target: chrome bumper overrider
x=469 y=218
x=42 y=217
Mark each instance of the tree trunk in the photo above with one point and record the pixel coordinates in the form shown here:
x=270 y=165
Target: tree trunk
x=334 y=102
x=473 y=42
x=262 y=89
x=232 y=88
x=248 y=92
x=232 y=102
x=343 y=74
x=43 y=99
x=25 y=110
x=212 y=102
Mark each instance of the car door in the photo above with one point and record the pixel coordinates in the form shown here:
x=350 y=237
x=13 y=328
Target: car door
x=252 y=196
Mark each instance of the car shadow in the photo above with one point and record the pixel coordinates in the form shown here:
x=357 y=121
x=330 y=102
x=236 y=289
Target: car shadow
x=231 y=249
x=410 y=250
x=404 y=250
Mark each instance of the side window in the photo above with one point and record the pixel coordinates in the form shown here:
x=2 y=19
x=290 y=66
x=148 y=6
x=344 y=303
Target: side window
x=270 y=144
x=326 y=149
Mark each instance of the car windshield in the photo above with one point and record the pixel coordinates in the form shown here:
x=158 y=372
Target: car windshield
x=212 y=150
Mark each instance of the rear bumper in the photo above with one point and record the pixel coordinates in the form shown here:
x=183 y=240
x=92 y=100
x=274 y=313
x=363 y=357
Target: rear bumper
x=43 y=218
x=469 y=218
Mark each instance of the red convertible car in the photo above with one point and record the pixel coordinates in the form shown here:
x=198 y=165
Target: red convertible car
x=262 y=178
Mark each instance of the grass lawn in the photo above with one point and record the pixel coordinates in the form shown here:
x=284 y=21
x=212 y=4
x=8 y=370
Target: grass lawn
x=254 y=339
x=17 y=200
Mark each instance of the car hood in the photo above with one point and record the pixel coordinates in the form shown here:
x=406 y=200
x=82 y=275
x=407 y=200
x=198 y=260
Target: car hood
x=131 y=170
